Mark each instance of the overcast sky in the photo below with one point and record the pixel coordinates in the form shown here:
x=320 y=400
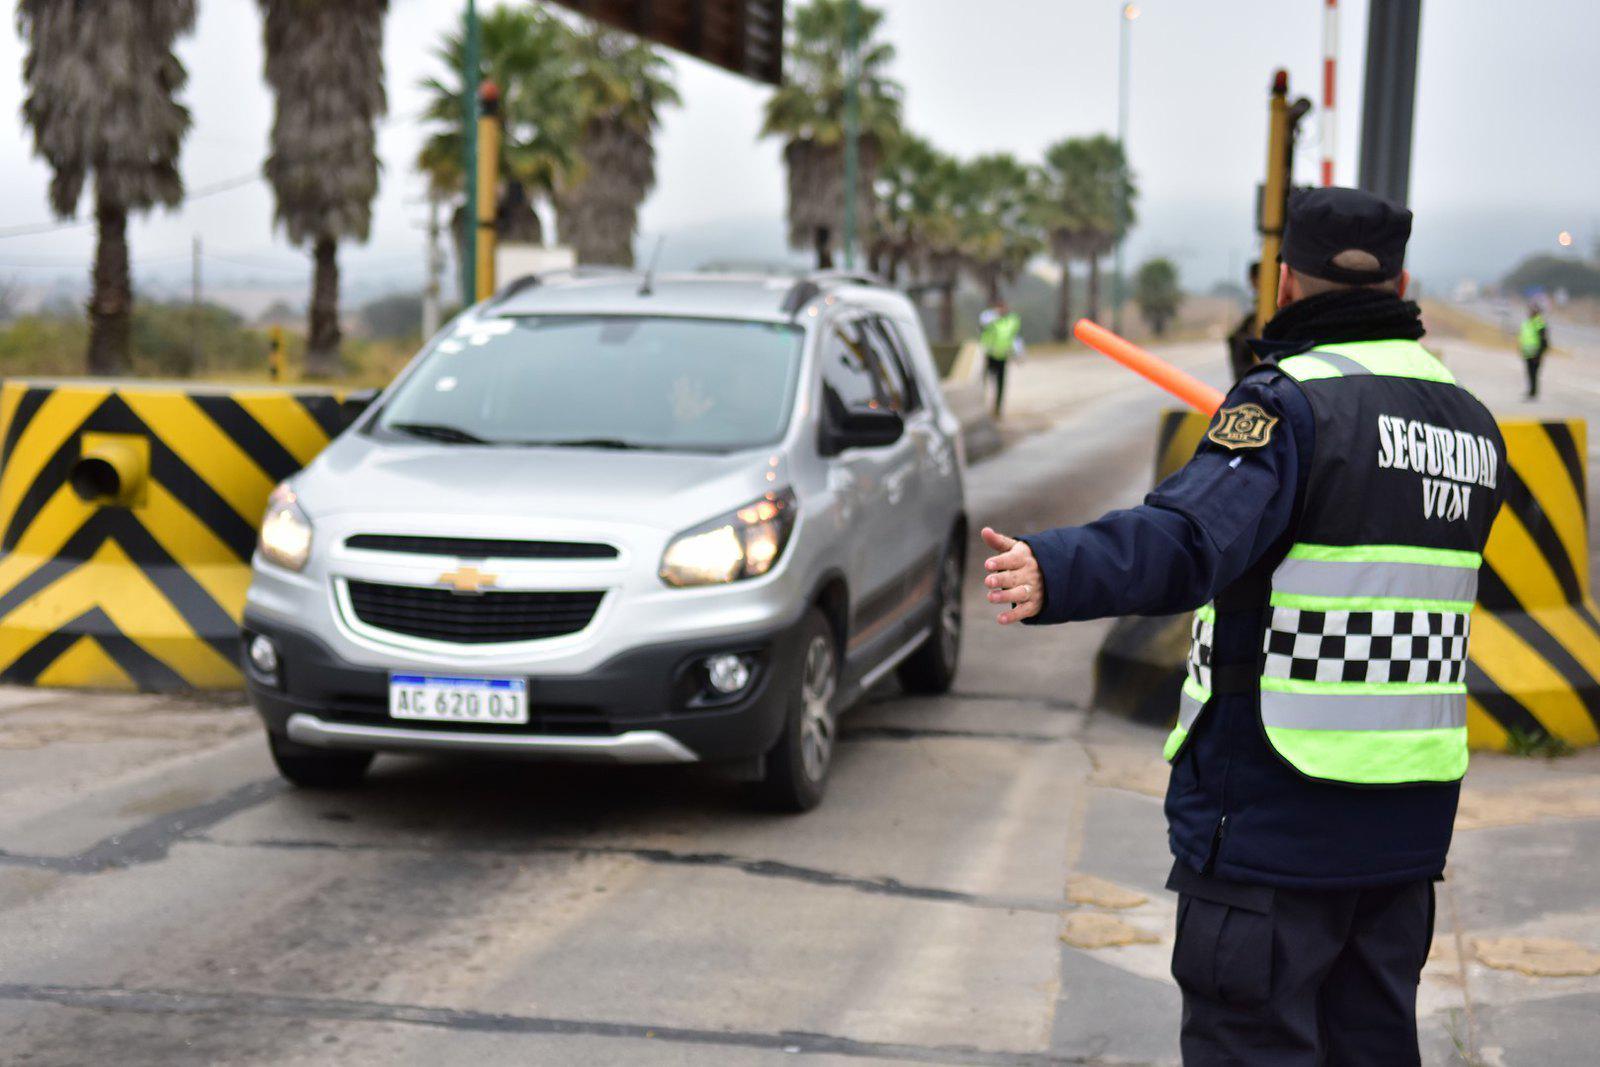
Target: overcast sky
x=1507 y=145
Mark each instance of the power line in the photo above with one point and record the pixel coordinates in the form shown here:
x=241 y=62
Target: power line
x=198 y=193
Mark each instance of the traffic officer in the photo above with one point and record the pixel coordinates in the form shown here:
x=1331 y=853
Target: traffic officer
x=1000 y=334
x=1533 y=339
x=1327 y=535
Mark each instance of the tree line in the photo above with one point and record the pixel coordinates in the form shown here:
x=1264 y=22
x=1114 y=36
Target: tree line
x=581 y=105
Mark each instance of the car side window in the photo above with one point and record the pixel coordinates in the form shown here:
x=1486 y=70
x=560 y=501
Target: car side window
x=895 y=367
x=848 y=366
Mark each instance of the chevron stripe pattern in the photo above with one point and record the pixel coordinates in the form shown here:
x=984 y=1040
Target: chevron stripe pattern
x=146 y=596
x=1535 y=652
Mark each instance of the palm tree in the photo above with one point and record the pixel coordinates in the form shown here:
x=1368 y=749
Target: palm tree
x=102 y=83
x=916 y=232
x=808 y=112
x=622 y=84
x=1083 y=179
x=324 y=61
x=904 y=193
x=997 y=236
x=527 y=54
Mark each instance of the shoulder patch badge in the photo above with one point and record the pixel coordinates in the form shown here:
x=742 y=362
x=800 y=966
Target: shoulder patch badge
x=1245 y=426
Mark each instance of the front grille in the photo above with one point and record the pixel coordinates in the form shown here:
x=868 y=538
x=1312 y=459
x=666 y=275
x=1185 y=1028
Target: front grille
x=480 y=547
x=471 y=619
x=372 y=709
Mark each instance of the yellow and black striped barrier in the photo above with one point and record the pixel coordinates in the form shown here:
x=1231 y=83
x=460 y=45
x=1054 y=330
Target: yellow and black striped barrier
x=128 y=514
x=1534 y=664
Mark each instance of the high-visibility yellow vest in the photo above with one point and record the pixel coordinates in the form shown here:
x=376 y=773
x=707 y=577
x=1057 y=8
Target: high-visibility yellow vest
x=999 y=338
x=1530 y=336
x=1363 y=622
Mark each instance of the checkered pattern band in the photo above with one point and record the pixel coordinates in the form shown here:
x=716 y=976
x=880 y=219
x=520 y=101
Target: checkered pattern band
x=1202 y=634
x=1366 y=646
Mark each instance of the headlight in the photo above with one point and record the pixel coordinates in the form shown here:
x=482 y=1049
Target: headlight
x=285 y=531
x=742 y=544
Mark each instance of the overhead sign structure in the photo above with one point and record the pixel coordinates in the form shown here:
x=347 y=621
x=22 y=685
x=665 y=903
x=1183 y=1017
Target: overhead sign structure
x=744 y=36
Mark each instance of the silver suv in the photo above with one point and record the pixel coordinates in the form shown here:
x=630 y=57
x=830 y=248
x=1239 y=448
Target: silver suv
x=604 y=516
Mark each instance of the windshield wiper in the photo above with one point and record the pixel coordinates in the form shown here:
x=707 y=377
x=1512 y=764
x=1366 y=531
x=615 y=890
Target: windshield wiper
x=435 y=431
x=613 y=443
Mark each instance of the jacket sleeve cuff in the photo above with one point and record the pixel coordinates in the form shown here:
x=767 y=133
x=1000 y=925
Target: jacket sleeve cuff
x=1053 y=553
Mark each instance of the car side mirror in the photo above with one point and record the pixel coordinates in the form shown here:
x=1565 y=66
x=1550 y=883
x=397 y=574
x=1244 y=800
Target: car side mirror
x=862 y=426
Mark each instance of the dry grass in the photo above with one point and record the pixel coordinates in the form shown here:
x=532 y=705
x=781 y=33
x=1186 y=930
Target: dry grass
x=1447 y=320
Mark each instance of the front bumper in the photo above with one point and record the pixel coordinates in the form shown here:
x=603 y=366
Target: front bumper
x=642 y=706
x=635 y=746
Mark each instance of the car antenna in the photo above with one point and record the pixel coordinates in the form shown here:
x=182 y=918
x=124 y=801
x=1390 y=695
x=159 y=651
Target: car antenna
x=648 y=286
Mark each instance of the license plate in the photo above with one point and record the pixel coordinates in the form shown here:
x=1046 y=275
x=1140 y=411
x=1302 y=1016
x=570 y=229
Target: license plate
x=437 y=698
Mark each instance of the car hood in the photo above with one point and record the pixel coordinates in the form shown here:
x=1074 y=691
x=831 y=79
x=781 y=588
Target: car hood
x=668 y=489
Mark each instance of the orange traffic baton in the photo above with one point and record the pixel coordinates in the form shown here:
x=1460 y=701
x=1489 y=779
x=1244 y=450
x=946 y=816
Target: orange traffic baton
x=1181 y=384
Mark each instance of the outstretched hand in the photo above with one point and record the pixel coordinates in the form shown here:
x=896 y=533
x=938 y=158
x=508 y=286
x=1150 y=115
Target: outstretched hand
x=1013 y=577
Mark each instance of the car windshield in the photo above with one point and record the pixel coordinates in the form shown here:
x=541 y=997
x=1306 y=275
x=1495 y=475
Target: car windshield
x=666 y=384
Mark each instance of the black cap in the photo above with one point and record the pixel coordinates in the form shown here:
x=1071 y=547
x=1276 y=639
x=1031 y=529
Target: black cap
x=1324 y=222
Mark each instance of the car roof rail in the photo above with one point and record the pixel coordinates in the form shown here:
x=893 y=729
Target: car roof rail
x=811 y=285
x=846 y=277
x=544 y=277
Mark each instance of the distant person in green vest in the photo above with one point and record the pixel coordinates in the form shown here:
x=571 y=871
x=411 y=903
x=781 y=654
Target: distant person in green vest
x=1534 y=340
x=1000 y=334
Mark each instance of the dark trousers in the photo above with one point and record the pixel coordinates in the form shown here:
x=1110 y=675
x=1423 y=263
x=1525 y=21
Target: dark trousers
x=996 y=369
x=1289 y=976
x=1533 y=363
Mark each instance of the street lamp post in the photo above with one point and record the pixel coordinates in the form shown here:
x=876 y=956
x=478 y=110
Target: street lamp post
x=1129 y=13
x=852 y=126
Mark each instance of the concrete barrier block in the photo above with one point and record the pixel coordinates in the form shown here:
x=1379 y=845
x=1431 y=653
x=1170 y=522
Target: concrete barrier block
x=128 y=515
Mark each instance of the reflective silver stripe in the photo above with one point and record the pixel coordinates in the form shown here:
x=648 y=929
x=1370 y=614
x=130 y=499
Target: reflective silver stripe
x=1363 y=711
x=1345 y=364
x=1188 y=710
x=1315 y=577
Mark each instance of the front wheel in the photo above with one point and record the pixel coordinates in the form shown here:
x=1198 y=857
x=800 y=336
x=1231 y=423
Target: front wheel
x=795 y=771
x=316 y=768
x=932 y=667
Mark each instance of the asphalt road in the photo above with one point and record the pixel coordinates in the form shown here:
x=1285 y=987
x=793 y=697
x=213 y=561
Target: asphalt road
x=981 y=887
x=164 y=898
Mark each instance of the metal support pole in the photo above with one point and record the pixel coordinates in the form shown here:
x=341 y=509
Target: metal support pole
x=1329 y=128
x=488 y=184
x=430 y=290
x=1390 y=99
x=194 y=309
x=470 y=73
x=1274 y=197
x=1128 y=14
x=852 y=127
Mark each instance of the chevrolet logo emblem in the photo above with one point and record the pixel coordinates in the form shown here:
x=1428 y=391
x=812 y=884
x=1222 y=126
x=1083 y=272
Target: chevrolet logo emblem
x=467 y=580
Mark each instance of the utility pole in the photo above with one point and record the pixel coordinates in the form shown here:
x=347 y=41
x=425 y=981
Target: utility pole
x=1129 y=13
x=470 y=73
x=852 y=127
x=430 y=289
x=194 y=308
x=1390 y=100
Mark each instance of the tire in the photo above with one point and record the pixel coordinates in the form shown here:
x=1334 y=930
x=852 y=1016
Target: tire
x=931 y=669
x=315 y=768
x=795 y=771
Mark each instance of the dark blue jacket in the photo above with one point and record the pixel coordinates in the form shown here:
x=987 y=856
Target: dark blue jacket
x=1234 y=808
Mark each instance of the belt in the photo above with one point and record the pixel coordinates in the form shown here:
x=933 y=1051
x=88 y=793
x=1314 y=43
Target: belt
x=1233 y=679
